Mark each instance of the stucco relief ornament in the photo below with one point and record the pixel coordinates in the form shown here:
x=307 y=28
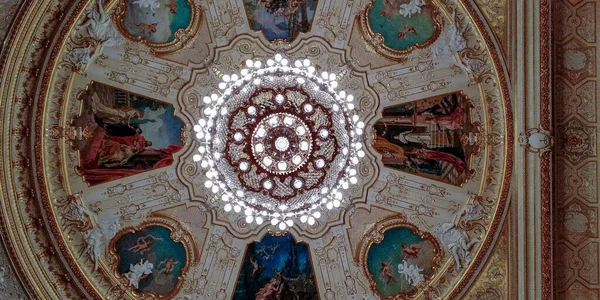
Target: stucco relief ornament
x=457 y=242
x=80 y=57
x=190 y=297
x=98 y=238
x=412 y=273
x=451 y=40
x=100 y=27
x=3 y=277
x=138 y=271
x=152 y=4
x=279 y=142
x=101 y=30
x=537 y=140
x=411 y=8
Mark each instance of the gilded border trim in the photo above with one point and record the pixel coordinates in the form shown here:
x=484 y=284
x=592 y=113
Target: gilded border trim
x=178 y=234
x=182 y=36
x=476 y=151
x=494 y=225
x=375 y=236
x=276 y=234
x=376 y=40
x=546 y=159
x=84 y=93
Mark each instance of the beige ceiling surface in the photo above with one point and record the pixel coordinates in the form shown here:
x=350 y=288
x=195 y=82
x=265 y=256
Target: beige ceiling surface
x=433 y=94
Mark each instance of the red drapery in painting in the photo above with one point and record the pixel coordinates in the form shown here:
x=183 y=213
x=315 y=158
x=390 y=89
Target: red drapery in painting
x=94 y=175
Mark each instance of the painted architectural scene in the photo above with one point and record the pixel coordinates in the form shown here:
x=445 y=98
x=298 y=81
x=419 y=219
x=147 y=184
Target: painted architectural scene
x=428 y=138
x=280 y=19
x=150 y=260
x=402 y=23
x=276 y=268
x=124 y=134
x=156 y=21
x=401 y=262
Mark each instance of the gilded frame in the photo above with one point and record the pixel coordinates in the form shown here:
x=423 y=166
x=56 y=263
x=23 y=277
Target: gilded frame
x=376 y=40
x=81 y=97
x=9 y=192
x=476 y=148
x=375 y=236
x=277 y=234
x=179 y=234
x=280 y=41
x=182 y=36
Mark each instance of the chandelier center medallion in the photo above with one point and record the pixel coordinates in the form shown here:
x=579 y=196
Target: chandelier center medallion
x=279 y=142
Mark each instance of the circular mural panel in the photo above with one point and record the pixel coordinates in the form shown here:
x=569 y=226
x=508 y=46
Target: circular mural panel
x=256 y=149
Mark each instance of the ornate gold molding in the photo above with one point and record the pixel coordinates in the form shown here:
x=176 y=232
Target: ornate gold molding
x=182 y=36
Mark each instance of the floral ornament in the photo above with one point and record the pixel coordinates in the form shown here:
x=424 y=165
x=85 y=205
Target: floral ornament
x=576 y=141
x=279 y=142
x=412 y=8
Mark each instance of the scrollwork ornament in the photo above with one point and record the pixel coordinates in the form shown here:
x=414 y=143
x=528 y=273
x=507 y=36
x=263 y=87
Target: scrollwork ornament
x=537 y=140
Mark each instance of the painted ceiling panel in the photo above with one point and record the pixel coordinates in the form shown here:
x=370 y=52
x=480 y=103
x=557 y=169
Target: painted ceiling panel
x=258 y=149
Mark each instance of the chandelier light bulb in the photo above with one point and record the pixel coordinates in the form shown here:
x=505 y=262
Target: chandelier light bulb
x=260 y=75
x=282 y=226
x=289 y=222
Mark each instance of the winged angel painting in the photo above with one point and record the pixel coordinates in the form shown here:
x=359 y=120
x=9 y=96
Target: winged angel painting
x=156 y=20
x=150 y=260
x=400 y=262
x=402 y=23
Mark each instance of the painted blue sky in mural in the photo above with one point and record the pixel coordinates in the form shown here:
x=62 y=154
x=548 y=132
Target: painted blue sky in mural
x=276 y=266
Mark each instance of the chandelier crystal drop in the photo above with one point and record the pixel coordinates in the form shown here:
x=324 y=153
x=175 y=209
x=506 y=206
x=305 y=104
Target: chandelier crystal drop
x=279 y=143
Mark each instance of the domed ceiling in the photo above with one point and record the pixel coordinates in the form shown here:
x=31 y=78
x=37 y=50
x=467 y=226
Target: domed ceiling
x=268 y=149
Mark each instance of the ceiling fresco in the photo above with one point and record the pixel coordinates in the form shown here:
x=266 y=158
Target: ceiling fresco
x=260 y=149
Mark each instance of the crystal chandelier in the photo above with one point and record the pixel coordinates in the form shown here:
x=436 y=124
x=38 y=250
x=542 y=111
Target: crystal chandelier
x=279 y=143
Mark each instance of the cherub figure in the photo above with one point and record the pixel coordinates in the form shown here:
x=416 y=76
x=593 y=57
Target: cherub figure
x=169 y=265
x=410 y=251
x=100 y=27
x=144 y=243
x=406 y=30
x=386 y=272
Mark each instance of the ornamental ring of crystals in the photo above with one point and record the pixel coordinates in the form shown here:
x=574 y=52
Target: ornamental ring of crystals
x=281 y=143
